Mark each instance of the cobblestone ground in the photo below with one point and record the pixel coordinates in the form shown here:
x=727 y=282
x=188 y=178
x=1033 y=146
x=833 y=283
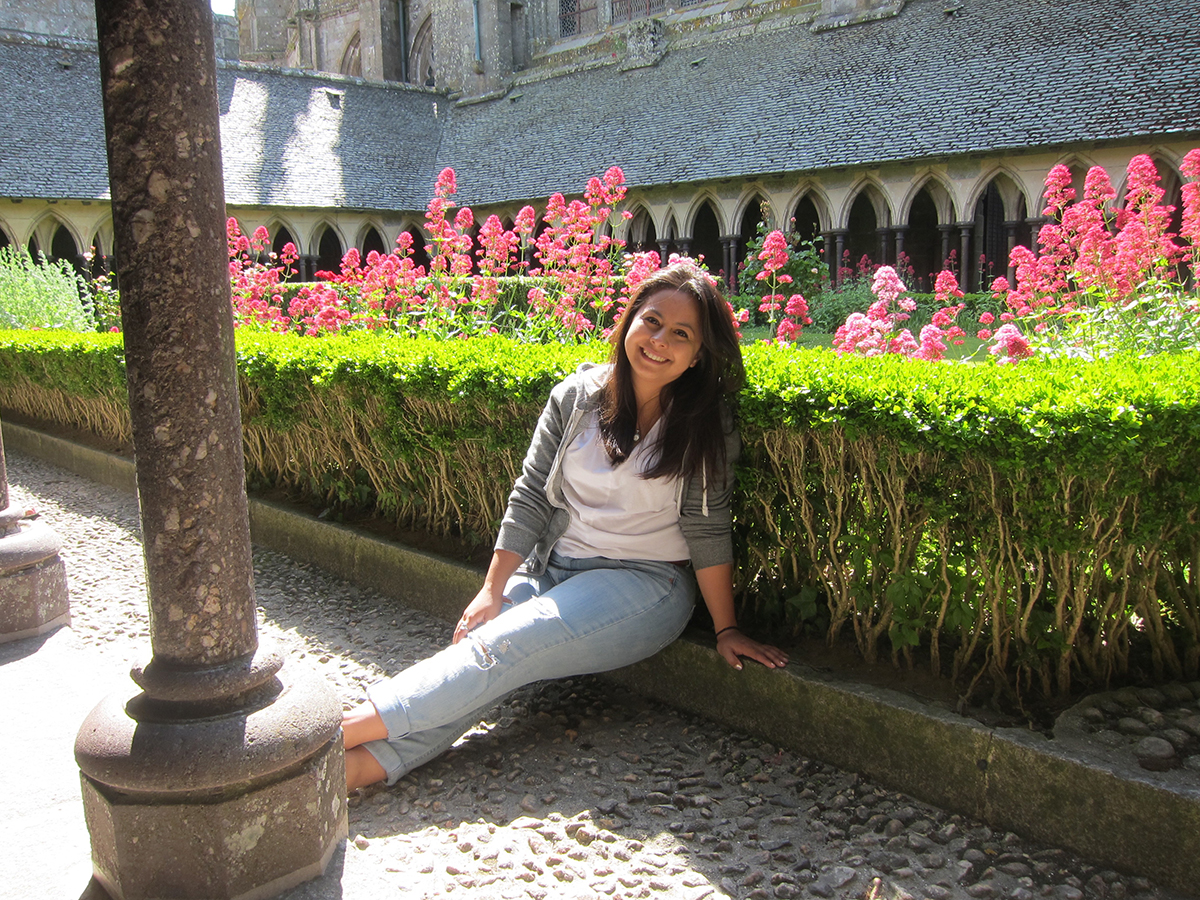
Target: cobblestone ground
x=574 y=789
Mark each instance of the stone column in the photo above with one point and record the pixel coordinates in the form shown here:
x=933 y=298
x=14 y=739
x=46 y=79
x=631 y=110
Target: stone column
x=729 y=244
x=945 y=230
x=839 y=239
x=664 y=251
x=33 y=578
x=1010 y=235
x=224 y=777
x=964 y=255
x=883 y=234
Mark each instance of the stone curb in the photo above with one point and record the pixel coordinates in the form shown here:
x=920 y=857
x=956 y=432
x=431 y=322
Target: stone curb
x=1117 y=815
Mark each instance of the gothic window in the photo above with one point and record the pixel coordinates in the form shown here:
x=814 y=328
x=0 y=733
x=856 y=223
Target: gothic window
x=352 y=58
x=373 y=240
x=751 y=219
x=420 y=256
x=642 y=235
x=923 y=242
x=862 y=241
x=706 y=239
x=420 y=70
x=991 y=241
x=63 y=249
x=329 y=252
x=576 y=17
x=281 y=239
x=806 y=222
x=4 y=240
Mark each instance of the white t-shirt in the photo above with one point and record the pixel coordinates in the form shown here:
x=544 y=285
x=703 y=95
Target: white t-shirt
x=615 y=513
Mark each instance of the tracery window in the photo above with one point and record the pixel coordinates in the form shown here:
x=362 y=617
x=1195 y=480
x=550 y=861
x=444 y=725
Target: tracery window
x=577 y=17
x=628 y=10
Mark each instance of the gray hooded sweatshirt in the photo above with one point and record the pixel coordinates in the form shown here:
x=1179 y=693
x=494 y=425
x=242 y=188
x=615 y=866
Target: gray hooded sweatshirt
x=537 y=514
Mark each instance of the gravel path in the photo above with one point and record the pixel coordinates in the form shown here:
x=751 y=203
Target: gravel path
x=574 y=789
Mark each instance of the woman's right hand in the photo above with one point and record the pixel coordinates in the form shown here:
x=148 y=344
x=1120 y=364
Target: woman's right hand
x=484 y=607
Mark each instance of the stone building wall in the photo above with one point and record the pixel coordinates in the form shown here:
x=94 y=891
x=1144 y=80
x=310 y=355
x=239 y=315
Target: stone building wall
x=59 y=18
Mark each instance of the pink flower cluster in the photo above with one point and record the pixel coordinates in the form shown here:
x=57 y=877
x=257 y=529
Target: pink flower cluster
x=1091 y=253
x=459 y=294
x=774 y=256
x=877 y=332
x=1094 y=253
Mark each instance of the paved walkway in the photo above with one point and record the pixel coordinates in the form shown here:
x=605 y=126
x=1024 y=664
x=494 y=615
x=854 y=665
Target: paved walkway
x=572 y=789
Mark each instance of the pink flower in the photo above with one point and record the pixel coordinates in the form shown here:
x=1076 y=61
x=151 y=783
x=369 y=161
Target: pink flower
x=986 y=318
x=945 y=288
x=1010 y=345
x=797 y=307
x=788 y=330
x=887 y=285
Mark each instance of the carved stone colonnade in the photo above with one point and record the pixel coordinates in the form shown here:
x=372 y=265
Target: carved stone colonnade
x=970 y=206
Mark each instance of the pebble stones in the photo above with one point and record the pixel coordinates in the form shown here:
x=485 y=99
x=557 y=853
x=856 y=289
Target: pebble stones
x=1160 y=726
x=580 y=789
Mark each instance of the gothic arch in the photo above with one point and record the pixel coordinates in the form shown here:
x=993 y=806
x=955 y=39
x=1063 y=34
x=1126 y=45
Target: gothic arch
x=420 y=68
x=327 y=247
x=46 y=229
x=670 y=229
x=370 y=237
x=642 y=235
x=814 y=194
x=1079 y=165
x=865 y=213
x=6 y=239
x=939 y=192
x=1007 y=184
x=420 y=256
x=697 y=204
x=352 y=57
x=704 y=231
x=875 y=195
x=1169 y=179
x=751 y=204
x=282 y=234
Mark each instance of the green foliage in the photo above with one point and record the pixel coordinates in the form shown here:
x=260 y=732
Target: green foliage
x=808 y=271
x=41 y=294
x=1018 y=520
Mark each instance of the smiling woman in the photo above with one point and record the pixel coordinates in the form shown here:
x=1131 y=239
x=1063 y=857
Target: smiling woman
x=620 y=517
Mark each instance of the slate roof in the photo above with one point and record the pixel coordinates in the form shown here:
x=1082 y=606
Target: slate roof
x=997 y=75
x=287 y=139
x=990 y=76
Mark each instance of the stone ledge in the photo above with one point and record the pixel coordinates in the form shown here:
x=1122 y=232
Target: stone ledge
x=1112 y=813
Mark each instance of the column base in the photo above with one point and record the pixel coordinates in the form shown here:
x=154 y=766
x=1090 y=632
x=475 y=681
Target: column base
x=33 y=583
x=163 y=824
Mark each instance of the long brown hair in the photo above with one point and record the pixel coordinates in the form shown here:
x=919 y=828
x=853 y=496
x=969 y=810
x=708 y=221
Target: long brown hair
x=692 y=438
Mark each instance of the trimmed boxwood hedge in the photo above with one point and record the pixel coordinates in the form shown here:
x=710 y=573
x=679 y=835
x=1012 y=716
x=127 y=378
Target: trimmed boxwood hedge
x=1020 y=525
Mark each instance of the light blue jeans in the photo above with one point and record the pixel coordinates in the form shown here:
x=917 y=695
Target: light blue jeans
x=582 y=616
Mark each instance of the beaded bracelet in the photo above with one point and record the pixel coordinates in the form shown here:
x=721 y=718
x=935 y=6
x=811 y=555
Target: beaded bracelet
x=726 y=628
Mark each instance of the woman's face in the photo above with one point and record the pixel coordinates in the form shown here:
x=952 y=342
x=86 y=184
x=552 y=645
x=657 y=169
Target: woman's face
x=663 y=340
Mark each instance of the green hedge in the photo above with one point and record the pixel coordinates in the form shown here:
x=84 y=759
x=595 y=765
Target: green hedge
x=1022 y=527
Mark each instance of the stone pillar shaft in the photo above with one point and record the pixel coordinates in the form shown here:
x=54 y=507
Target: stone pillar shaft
x=165 y=158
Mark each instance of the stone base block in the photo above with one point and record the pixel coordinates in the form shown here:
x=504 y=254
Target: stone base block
x=247 y=846
x=33 y=583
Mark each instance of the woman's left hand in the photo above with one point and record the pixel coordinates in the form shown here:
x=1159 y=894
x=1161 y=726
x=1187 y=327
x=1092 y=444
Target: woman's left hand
x=733 y=645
